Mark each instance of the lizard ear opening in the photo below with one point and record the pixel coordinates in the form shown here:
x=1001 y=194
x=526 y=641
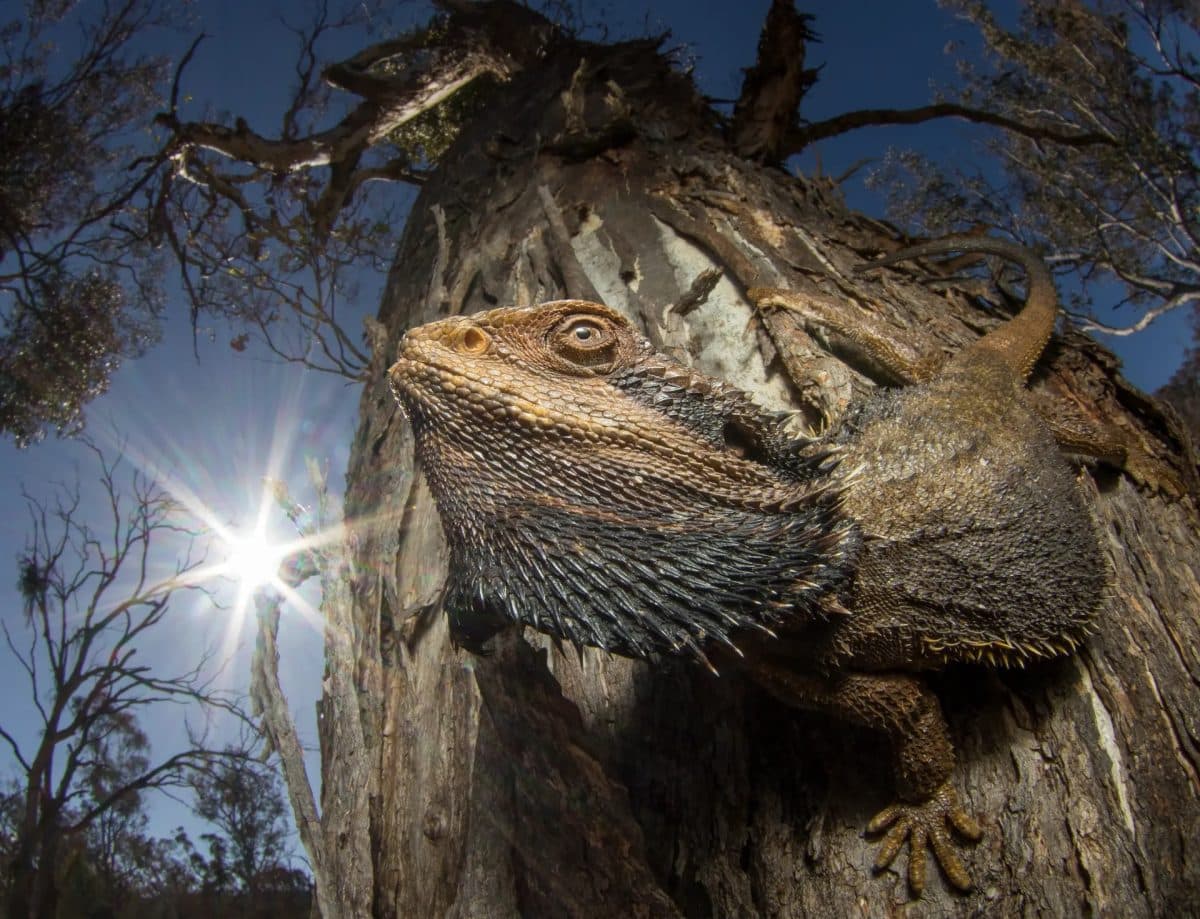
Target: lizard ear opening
x=741 y=440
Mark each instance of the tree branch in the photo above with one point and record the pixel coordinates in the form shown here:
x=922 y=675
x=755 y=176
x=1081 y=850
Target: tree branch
x=802 y=136
x=266 y=230
x=1090 y=324
x=391 y=98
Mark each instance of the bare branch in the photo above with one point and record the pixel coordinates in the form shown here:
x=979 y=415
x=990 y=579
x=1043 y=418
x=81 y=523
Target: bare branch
x=393 y=91
x=805 y=135
x=272 y=232
x=1091 y=324
x=91 y=602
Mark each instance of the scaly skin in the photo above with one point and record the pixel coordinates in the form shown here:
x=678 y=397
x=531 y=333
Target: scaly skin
x=598 y=491
x=592 y=492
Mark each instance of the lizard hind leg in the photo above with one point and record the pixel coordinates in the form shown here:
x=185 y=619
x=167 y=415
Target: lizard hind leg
x=928 y=814
x=1112 y=446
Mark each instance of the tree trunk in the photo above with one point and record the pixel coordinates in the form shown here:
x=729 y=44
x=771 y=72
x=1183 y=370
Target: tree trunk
x=19 y=882
x=32 y=870
x=534 y=782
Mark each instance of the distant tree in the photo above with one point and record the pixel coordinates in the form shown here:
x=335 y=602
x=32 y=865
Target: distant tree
x=210 y=875
x=113 y=865
x=1123 y=210
x=117 y=846
x=242 y=799
x=10 y=818
x=241 y=868
x=92 y=597
x=79 y=285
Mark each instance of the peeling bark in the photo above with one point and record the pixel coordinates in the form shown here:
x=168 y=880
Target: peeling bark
x=534 y=782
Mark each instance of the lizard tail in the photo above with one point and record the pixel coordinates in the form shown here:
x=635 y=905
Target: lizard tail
x=1019 y=342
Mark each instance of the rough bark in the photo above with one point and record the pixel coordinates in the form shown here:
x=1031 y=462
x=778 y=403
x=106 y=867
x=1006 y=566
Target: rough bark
x=534 y=782
x=766 y=110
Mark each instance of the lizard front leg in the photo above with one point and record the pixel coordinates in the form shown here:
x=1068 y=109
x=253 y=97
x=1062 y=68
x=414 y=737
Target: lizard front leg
x=904 y=708
x=852 y=334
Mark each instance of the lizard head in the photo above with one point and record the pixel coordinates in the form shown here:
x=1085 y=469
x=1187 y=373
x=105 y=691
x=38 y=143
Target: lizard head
x=595 y=489
x=537 y=372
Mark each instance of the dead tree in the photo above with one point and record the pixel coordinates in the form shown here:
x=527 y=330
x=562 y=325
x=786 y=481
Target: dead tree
x=537 y=782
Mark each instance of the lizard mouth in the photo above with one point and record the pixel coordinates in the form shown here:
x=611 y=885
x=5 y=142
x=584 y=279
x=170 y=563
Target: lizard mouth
x=425 y=374
x=402 y=384
x=399 y=375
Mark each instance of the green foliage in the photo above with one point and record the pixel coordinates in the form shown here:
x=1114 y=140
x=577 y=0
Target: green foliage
x=79 y=285
x=10 y=825
x=58 y=351
x=425 y=138
x=32 y=582
x=39 y=165
x=244 y=803
x=422 y=140
x=116 y=868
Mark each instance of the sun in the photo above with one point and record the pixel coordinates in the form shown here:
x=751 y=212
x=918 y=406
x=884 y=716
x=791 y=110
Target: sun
x=253 y=560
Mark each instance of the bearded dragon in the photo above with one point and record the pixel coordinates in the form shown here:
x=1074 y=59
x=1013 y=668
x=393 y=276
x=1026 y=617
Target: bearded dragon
x=596 y=490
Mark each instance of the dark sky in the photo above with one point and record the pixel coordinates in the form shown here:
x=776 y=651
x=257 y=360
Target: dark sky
x=214 y=426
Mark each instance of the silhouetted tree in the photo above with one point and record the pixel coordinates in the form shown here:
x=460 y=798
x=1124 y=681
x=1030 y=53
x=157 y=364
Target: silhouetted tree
x=242 y=800
x=1123 y=210
x=92 y=596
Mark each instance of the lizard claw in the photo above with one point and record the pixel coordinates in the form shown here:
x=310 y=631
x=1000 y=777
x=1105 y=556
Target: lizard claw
x=926 y=823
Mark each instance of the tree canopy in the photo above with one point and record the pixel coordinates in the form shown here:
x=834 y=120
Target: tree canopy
x=1122 y=210
x=79 y=282
x=1091 y=109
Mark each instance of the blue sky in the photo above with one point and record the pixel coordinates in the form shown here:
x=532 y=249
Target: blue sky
x=213 y=424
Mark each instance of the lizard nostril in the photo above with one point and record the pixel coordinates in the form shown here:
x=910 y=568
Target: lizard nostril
x=473 y=340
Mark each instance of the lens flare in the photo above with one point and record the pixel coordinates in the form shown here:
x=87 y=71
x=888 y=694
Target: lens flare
x=253 y=560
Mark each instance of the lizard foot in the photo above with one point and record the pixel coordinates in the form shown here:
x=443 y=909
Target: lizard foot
x=1154 y=474
x=925 y=823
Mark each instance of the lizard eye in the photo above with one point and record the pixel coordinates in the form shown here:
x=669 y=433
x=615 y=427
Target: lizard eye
x=589 y=341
